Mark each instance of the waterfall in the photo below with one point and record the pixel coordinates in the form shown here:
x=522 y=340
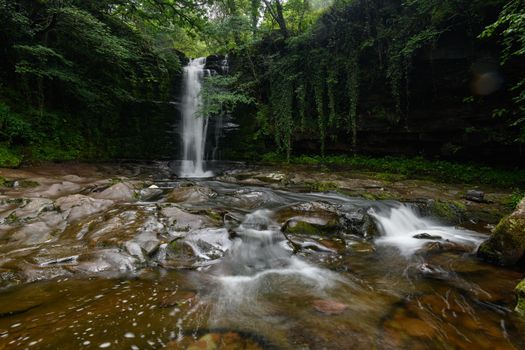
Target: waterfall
x=403 y=228
x=194 y=126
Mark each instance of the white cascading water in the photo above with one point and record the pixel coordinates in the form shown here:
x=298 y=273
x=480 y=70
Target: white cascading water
x=194 y=126
x=257 y=261
x=400 y=224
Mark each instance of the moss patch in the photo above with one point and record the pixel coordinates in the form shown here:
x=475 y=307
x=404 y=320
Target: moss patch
x=323 y=186
x=452 y=211
x=520 y=294
x=307 y=228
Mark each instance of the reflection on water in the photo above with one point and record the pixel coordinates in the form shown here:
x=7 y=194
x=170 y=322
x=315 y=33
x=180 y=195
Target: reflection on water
x=248 y=285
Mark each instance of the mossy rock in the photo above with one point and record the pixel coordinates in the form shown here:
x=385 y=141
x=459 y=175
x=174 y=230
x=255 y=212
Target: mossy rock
x=506 y=245
x=26 y=183
x=307 y=227
x=17 y=183
x=323 y=186
x=520 y=294
x=452 y=212
x=276 y=177
x=360 y=223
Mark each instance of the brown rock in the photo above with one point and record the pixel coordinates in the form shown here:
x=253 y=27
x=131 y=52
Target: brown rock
x=329 y=307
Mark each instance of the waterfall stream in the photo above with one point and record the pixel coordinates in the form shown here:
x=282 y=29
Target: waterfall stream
x=239 y=266
x=403 y=228
x=194 y=126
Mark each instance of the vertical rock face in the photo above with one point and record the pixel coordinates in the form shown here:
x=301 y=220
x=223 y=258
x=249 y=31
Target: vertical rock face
x=506 y=246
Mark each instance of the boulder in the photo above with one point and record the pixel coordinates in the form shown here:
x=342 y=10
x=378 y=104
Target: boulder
x=438 y=246
x=191 y=195
x=150 y=194
x=32 y=233
x=506 y=245
x=321 y=218
x=360 y=223
x=317 y=209
x=248 y=199
x=60 y=189
x=79 y=206
x=452 y=212
x=105 y=260
x=178 y=220
x=311 y=226
x=475 y=196
x=120 y=192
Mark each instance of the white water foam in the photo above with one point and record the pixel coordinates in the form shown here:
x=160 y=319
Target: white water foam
x=399 y=225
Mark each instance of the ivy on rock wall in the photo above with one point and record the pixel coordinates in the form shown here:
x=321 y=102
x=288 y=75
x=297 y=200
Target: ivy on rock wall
x=322 y=84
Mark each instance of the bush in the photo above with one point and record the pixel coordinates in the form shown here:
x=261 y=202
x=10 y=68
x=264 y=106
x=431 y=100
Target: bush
x=8 y=158
x=414 y=168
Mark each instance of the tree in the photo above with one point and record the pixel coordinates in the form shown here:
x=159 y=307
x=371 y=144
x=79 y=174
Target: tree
x=275 y=9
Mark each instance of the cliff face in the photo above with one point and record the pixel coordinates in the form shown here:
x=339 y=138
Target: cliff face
x=454 y=96
x=449 y=109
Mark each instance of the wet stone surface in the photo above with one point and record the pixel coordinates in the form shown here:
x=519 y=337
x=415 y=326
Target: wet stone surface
x=128 y=257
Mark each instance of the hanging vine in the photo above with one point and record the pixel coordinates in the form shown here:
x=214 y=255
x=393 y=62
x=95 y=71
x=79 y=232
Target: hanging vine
x=331 y=83
x=300 y=94
x=318 y=84
x=282 y=97
x=353 y=94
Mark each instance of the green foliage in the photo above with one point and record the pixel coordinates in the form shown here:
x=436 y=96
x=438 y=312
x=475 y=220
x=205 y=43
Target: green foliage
x=13 y=127
x=312 y=79
x=93 y=78
x=86 y=79
x=418 y=168
x=510 y=27
x=8 y=158
x=42 y=62
x=222 y=94
x=516 y=197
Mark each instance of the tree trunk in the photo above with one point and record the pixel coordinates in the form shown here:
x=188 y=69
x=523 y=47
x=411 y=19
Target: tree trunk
x=277 y=15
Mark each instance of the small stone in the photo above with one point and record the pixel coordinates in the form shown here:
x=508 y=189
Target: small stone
x=427 y=236
x=475 y=196
x=329 y=307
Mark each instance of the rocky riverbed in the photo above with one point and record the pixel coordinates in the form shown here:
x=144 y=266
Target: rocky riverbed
x=129 y=256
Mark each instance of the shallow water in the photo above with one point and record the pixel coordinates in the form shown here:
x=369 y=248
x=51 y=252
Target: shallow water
x=244 y=277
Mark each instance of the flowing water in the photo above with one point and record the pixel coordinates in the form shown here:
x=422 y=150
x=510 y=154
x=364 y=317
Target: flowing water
x=194 y=125
x=248 y=281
